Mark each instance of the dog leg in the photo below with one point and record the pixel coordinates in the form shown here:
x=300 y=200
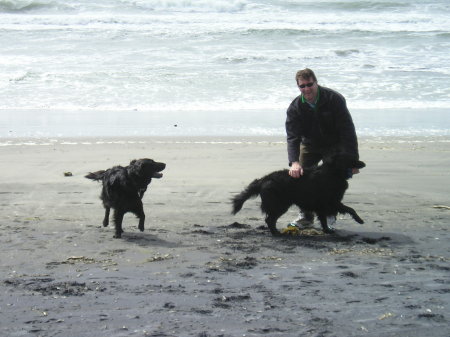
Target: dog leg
x=141 y=222
x=106 y=219
x=324 y=224
x=139 y=212
x=118 y=218
x=345 y=209
x=271 y=222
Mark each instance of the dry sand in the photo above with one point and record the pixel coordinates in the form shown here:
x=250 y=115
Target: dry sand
x=199 y=271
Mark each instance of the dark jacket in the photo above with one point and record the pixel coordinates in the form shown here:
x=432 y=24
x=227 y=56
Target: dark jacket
x=329 y=125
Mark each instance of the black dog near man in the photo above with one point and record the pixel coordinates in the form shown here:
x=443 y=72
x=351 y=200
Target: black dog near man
x=320 y=190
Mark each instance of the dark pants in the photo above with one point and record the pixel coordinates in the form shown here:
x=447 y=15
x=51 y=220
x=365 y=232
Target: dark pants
x=310 y=156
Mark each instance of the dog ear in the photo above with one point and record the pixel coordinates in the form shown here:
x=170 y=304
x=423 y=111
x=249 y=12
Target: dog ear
x=135 y=166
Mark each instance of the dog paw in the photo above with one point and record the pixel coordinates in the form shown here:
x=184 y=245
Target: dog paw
x=329 y=230
x=275 y=233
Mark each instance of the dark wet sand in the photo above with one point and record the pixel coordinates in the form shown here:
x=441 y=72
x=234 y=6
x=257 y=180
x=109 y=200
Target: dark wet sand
x=199 y=271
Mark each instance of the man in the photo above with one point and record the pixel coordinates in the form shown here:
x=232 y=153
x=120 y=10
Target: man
x=318 y=124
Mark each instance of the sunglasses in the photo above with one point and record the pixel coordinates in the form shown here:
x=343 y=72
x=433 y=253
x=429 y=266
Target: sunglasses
x=309 y=85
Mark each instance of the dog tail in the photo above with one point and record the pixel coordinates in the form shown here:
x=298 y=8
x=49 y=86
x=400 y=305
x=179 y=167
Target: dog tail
x=251 y=191
x=96 y=175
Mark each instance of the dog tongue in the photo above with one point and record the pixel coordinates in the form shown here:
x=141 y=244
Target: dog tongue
x=157 y=175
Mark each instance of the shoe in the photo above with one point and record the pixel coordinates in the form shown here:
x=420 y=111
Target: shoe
x=303 y=220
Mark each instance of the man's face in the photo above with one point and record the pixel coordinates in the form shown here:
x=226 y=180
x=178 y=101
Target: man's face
x=308 y=88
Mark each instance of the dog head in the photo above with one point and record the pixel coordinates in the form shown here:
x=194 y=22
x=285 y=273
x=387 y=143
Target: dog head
x=344 y=163
x=146 y=168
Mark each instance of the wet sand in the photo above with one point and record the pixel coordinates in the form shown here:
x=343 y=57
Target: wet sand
x=197 y=270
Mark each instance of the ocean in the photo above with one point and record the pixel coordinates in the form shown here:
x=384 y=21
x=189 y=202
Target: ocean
x=132 y=68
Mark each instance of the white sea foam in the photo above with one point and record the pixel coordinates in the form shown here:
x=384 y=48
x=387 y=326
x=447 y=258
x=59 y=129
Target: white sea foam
x=172 y=57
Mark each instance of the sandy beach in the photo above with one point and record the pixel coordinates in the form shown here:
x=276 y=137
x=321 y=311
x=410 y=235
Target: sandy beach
x=197 y=270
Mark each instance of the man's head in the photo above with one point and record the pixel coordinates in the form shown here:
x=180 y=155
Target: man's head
x=307 y=83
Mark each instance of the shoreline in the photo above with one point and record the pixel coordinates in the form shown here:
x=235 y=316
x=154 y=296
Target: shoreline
x=6 y=141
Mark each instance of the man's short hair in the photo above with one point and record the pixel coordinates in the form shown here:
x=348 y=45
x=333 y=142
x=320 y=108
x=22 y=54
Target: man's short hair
x=305 y=74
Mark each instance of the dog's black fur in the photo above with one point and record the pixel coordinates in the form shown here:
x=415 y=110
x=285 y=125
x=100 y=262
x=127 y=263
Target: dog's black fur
x=123 y=189
x=320 y=190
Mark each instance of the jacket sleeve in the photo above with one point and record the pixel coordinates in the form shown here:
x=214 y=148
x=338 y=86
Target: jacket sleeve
x=293 y=133
x=347 y=133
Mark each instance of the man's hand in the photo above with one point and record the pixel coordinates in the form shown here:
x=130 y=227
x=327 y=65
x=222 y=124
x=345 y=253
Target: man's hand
x=355 y=171
x=296 y=170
